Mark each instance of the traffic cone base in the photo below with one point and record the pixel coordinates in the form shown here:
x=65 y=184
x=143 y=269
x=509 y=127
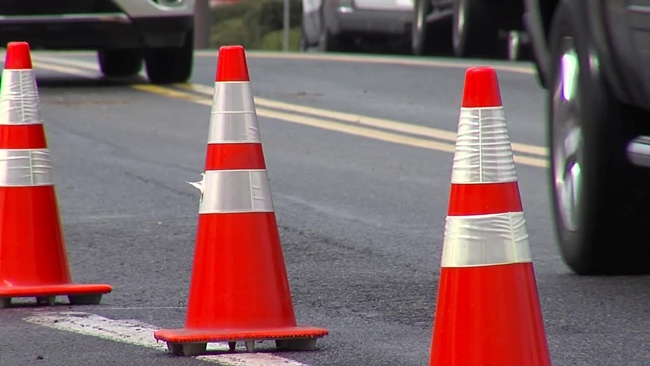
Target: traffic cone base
x=46 y=280
x=78 y=294
x=191 y=342
x=250 y=319
x=32 y=247
x=504 y=289
x=241 y=250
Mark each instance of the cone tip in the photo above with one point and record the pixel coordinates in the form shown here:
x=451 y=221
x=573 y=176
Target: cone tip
x=18 y=56
x=481 y=88
x=231 y=64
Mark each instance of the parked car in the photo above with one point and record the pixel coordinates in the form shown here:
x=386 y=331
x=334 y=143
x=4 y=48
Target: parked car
x=124 y=32
x=335 y=25
x=592 y=58
x=468 y=28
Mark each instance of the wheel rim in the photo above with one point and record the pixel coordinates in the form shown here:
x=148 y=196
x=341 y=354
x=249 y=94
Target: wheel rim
x=567 y=137
x=418 y=24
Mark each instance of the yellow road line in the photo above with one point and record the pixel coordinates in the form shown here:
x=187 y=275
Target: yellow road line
x=61 y=69
x=386 y=60
x=332 y=126
x=352 y=58
x=356 y=129
x=367 y=121
x=339 y=116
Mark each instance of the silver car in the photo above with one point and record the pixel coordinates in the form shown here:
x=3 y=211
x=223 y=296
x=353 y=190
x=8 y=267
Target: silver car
x=333 y=25
x=124 y=32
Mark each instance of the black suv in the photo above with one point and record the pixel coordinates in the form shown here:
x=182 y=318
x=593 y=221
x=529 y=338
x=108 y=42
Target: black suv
x=593 y=58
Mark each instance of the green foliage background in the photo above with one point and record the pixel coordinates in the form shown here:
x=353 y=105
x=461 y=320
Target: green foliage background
x=255 y=24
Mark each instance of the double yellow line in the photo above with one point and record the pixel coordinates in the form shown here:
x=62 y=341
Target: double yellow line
x=351 y=124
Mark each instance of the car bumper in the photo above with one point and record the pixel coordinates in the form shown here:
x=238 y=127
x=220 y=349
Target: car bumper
x=137 y=9
x=93 y=31
x=372 y=21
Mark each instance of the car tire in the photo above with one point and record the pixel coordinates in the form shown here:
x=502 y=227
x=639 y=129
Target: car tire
x=428 y=38
x=171 y=64
x=518 y=47
x=475 y=29
x=606 y=229
x=328 y=42
x=120 y=62
x=304 y=46
x=420 y=37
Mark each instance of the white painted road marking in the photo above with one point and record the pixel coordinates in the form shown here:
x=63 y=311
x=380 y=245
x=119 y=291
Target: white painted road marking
x=137 y=333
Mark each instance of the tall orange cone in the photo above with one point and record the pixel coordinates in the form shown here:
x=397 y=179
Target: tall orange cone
x=239 y=288
x=488 y=311
x=33 y=258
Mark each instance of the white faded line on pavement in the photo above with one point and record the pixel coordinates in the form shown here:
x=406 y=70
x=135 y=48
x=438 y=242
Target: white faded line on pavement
x=137 y=333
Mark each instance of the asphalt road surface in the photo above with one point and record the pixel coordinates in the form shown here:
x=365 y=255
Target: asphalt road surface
x=359 y=157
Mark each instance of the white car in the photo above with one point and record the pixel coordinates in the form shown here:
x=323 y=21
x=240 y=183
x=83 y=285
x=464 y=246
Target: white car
x=124 y=32
x=332 y=25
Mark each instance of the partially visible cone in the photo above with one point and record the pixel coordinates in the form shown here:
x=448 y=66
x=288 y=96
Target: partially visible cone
x=488 y=312
x=33 y=258
x=239 y=288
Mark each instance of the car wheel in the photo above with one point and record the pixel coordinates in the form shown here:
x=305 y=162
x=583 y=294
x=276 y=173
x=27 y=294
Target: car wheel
x=475 y=30
x=303 y=41
x=328 y=42
x=518 y=47
x=120 y=62
x=600 y=204
x=428 y=38
x=420 y=43
x=171 y=65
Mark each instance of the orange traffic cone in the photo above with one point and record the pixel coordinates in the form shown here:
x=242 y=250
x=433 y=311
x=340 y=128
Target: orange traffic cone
x=33 y=258
x=239 y=288
x=488 y=311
